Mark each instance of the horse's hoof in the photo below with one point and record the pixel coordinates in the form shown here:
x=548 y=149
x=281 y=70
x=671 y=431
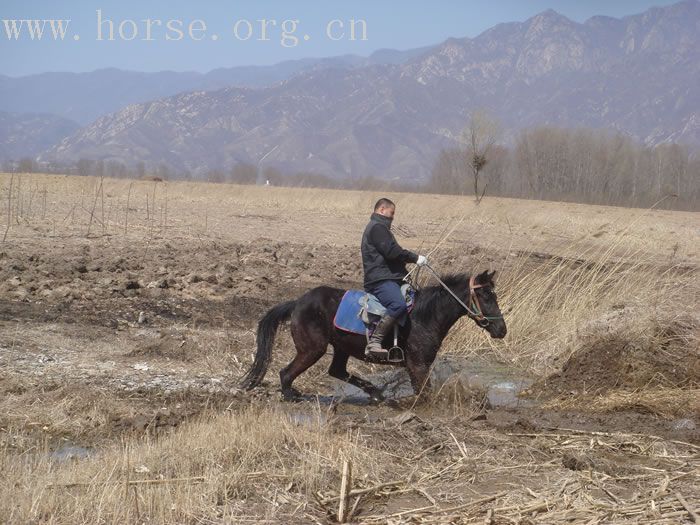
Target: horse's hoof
x=292 y=395
x=376 y=398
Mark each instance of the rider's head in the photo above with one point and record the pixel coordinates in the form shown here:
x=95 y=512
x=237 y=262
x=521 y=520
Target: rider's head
x=385 y=207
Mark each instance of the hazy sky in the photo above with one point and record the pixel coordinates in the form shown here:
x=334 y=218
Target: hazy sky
x=234 y=36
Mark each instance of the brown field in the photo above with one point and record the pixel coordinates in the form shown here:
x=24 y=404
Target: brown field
x=128 y=312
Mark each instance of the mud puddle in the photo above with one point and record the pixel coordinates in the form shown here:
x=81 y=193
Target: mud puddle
x=501 y=383
x=70 y=451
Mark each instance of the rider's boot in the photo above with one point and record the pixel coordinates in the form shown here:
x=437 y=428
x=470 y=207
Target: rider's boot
x=374 y=345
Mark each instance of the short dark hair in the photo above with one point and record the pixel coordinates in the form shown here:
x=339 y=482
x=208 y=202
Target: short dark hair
x=384 y=202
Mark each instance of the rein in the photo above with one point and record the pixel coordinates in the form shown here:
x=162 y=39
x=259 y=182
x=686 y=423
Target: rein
x=476 y=313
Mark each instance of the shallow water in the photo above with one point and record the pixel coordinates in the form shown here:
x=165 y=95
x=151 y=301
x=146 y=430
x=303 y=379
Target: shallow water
x=70 y=451
x=501 y=382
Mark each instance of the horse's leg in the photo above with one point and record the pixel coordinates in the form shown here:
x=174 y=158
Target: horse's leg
x=311 y=343
x=338 y=369
x=419 y=372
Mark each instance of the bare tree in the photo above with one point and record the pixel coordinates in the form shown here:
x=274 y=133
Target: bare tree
x=99 y=168
x=480 y=136
x=163 y=171
x=27 y=165
x=140 y=169
x=582 y=165
x=450 y=173
x=215 y=175
x=243 y=173
x=85 y=167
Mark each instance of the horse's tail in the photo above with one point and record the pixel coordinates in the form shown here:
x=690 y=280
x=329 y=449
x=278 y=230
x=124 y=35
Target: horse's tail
x=267 y=328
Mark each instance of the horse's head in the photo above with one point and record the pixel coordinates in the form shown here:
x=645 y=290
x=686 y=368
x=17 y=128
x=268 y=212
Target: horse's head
x=483 y=303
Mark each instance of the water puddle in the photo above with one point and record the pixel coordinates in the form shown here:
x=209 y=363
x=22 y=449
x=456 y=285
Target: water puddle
x=307 y=419
x=501 y=382
x=69 y=451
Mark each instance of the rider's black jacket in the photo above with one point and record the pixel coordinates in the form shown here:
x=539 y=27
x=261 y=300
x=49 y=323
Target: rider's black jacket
x=382 y=257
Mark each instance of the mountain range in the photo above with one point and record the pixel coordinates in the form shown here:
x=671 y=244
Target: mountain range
x=389 y=117
x=25 y=134
x=83 y=97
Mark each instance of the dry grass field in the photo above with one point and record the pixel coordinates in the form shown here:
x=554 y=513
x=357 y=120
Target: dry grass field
x=127 y=317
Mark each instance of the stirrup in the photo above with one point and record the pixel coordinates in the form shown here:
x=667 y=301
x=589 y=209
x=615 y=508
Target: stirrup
x=395 y=355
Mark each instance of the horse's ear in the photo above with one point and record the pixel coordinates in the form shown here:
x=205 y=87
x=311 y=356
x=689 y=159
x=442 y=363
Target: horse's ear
x=482 y=277
x=492 y=275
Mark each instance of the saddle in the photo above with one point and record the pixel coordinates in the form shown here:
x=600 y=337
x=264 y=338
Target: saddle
x=371 y=310
x=359 y=311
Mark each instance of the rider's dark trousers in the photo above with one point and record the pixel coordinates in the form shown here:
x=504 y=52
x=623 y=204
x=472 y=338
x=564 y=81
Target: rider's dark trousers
x=389 y=294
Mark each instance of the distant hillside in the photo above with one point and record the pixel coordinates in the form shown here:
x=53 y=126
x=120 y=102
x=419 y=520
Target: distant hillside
x=83 y=97
x=639 y=75
x=26 y=133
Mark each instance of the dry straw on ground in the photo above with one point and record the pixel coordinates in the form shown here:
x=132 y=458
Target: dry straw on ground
x=264 y=464
x=582 y=284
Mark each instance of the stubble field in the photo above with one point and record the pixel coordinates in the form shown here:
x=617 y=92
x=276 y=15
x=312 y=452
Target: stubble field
x=128 y=312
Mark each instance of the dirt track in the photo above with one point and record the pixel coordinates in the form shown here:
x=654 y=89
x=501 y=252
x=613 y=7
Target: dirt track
x=111 y=335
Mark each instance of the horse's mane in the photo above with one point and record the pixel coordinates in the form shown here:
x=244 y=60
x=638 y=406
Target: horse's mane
x=432 y=298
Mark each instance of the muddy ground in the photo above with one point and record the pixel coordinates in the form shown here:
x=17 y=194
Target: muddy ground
x=175 y=336
x=103 y=337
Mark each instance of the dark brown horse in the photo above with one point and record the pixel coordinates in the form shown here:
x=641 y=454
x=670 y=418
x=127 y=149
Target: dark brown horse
x=435 y=312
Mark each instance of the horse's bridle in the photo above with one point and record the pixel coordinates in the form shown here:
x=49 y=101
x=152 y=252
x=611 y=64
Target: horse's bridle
x=474 y=309
x=476 y=314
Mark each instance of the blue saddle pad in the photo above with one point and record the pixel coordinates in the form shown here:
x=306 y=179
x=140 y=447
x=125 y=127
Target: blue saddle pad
x=347 y=318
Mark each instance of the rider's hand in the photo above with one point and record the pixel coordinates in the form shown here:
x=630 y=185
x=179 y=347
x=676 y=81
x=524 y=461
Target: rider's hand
x=422 y=260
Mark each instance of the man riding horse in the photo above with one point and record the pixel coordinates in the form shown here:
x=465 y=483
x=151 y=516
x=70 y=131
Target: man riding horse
x=384 y=264
x=436 y=310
